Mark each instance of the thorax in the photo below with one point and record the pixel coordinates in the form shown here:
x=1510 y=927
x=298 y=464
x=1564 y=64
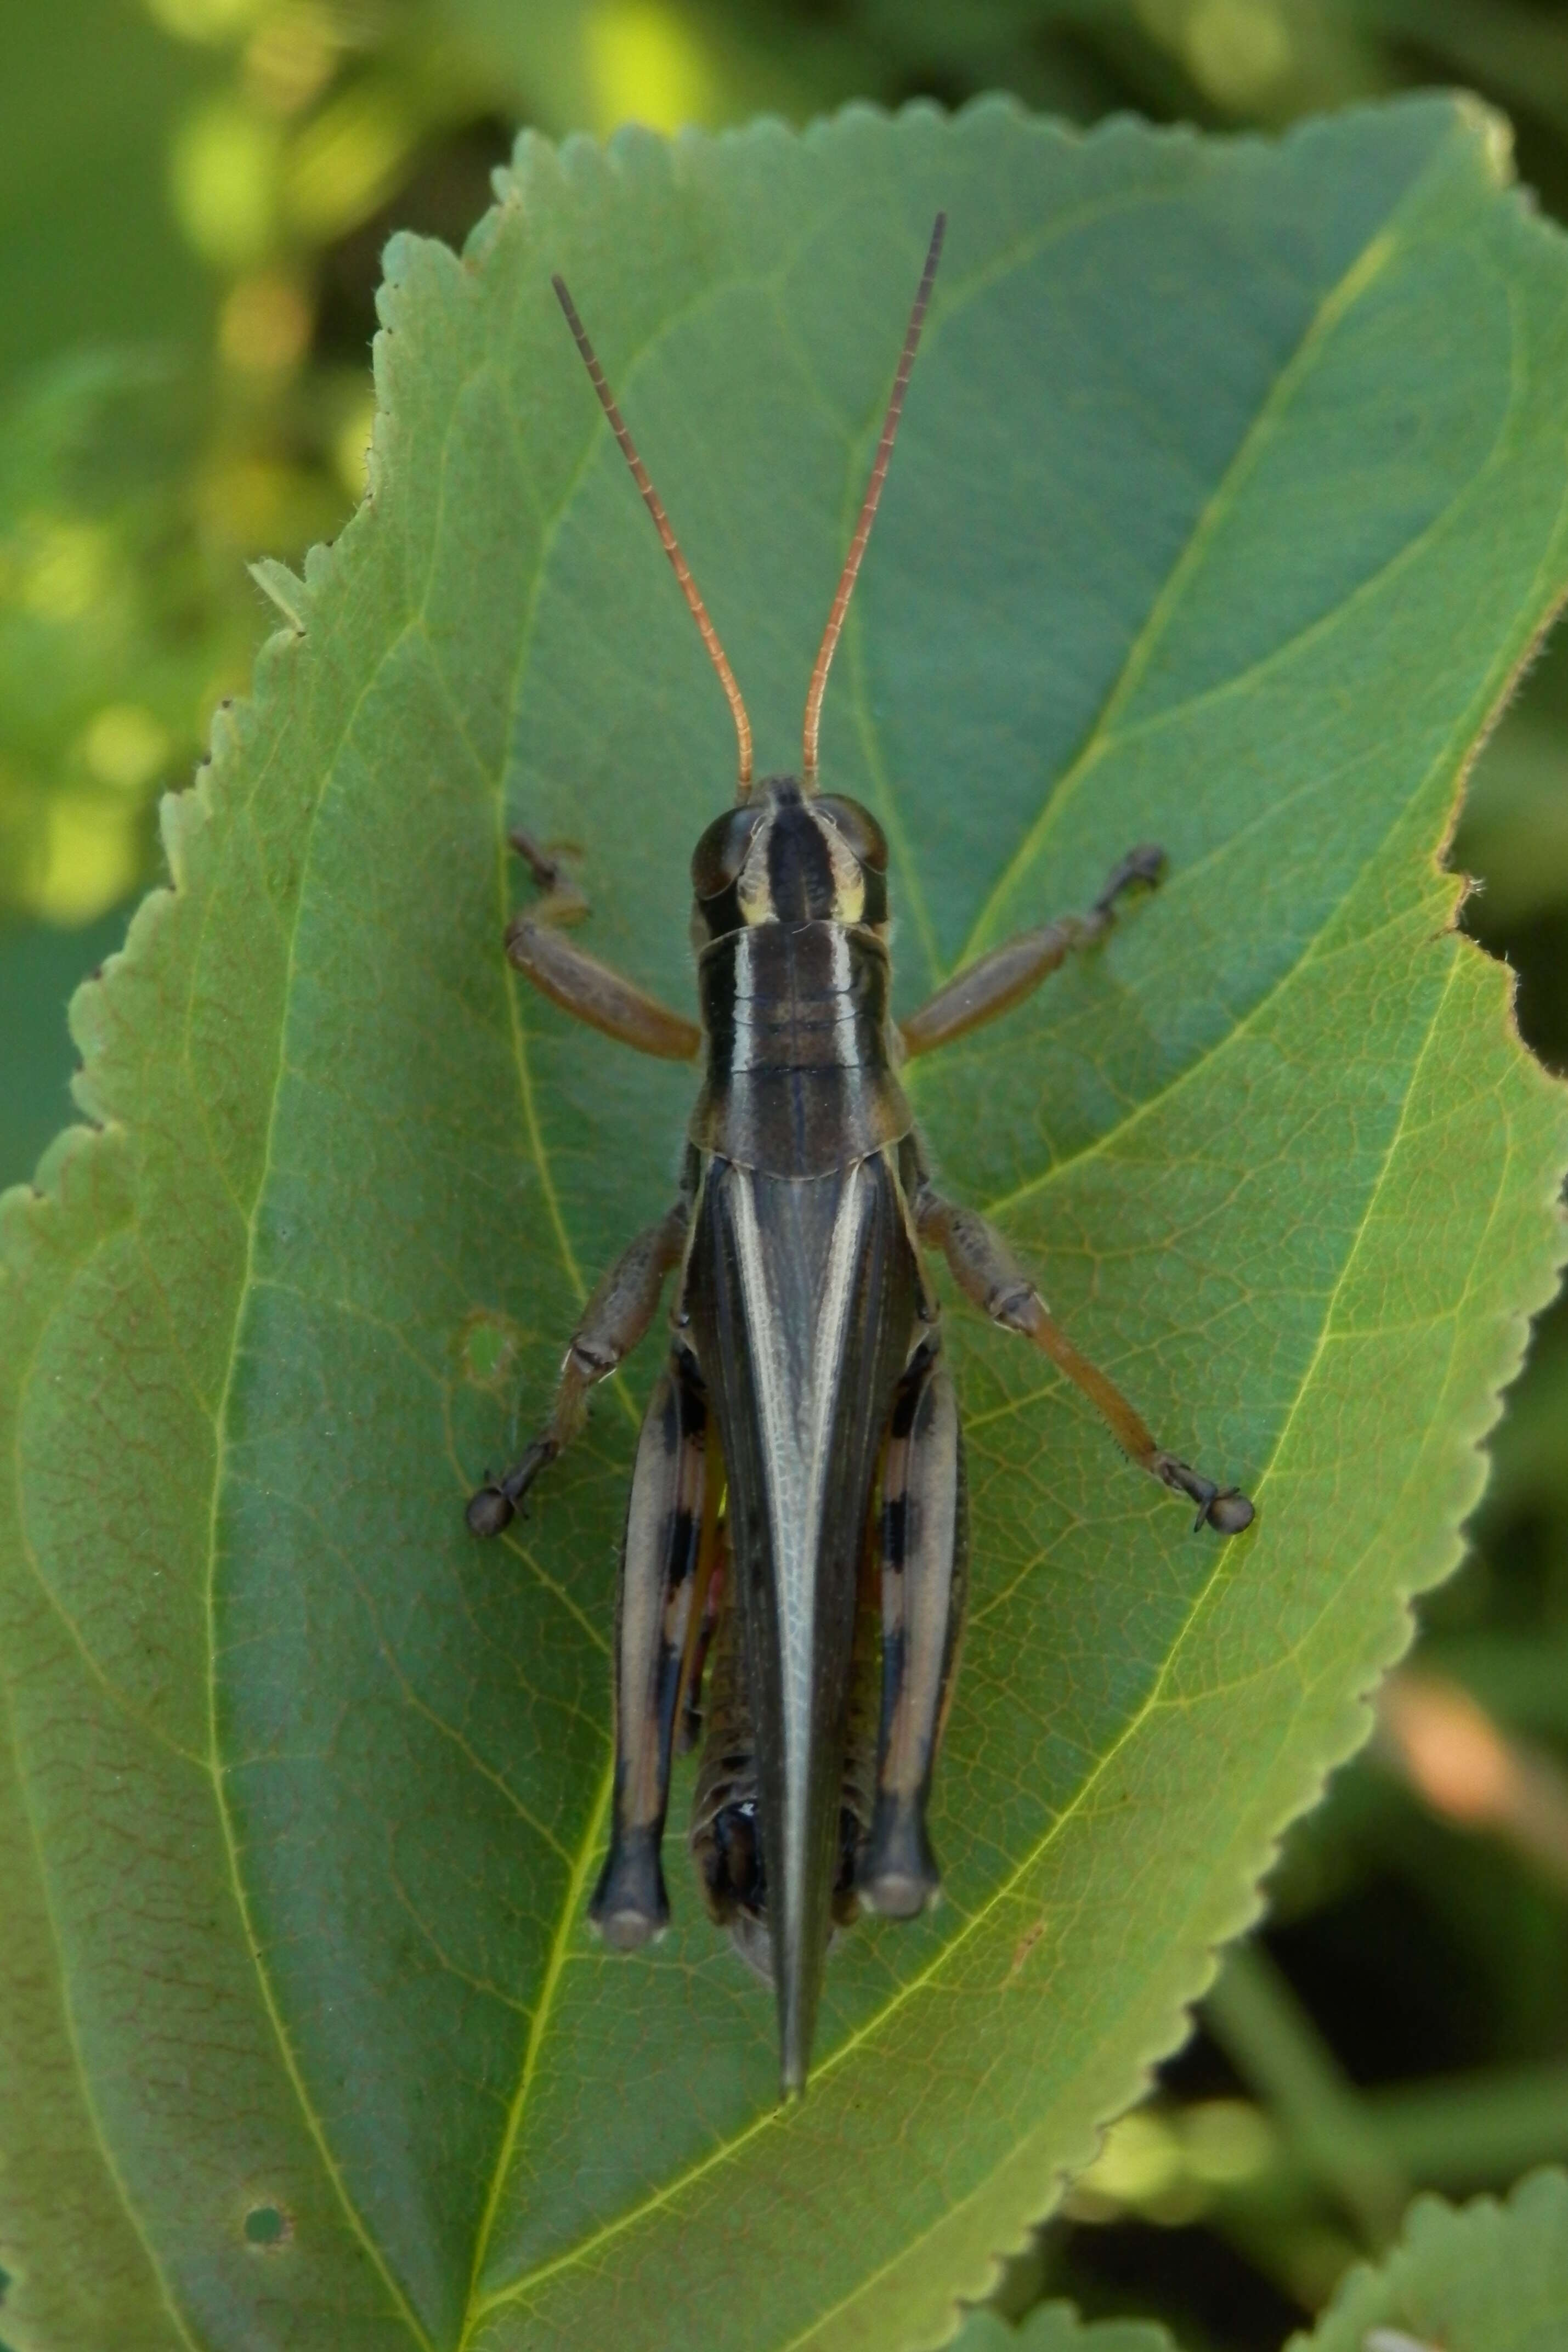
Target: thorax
x=800 y=1069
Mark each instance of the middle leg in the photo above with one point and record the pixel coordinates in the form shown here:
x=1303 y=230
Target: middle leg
x=614 y=1320
x=987 y=1271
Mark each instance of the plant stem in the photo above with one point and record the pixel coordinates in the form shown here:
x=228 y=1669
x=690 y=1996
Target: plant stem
x=1324 y=2120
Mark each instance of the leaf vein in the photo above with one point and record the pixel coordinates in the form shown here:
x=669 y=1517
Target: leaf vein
x=83 y=2077
x=1369 y=264
x=313 y=2121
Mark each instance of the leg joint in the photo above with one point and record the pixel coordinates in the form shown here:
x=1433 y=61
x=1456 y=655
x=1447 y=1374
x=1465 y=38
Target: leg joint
x=591 y=1357
x=1017 y=1304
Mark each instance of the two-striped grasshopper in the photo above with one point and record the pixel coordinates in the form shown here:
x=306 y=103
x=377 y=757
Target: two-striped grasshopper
x=796 y=1525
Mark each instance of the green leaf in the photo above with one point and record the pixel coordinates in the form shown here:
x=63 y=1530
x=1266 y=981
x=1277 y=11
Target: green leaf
x=1056 y=2327
x=1206 y=527
x=1491 y=2277
x=1486 y=2277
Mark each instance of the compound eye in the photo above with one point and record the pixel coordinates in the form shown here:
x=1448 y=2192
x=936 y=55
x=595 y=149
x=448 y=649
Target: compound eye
x=860 y=829
x=721 y=853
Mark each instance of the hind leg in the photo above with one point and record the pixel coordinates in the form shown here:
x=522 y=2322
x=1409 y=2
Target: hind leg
x=922 y=1538
x=661 y=1563
x=614 y=1320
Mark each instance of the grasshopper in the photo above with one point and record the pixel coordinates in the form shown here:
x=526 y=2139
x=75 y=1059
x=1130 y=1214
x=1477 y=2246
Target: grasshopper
x=798 y=1495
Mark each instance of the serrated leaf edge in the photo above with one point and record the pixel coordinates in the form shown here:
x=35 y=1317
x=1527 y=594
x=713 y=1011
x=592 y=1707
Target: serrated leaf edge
x=184 y=817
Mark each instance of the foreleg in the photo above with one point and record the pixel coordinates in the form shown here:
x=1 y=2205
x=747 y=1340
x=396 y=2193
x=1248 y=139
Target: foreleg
x=924 y=1541
x=578 y=981
x=661 y=1557
x=995 y=982
x=987 y=1271
x=614 y=1319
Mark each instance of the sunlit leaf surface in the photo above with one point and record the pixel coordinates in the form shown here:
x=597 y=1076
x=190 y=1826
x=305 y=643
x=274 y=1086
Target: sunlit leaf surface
x=1230 y=498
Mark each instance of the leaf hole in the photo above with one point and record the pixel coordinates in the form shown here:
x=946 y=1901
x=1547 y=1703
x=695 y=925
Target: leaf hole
x=269 y=2226
x=487 y=1346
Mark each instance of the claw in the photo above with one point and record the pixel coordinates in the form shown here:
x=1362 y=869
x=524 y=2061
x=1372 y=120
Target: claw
x=545 y=869
x=495 y=1506
x=489 y=1512
x=1145 y=863
x=1229 y=1512
x=1223 y=1508
x=563 y=901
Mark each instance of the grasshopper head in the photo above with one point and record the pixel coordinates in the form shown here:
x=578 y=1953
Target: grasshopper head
x=787 y=856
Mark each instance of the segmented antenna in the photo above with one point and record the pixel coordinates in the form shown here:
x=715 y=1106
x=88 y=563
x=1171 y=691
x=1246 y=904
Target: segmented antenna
x=840 y=603
x=667 y=538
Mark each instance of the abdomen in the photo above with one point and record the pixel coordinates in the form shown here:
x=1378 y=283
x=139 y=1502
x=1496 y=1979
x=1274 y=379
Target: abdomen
x=803 y=1296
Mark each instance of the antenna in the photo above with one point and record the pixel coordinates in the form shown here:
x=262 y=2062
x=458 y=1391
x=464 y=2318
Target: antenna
x=666 y=536
x=840 y=603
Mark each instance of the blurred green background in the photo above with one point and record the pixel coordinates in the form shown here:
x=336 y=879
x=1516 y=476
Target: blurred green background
x=193 y=195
